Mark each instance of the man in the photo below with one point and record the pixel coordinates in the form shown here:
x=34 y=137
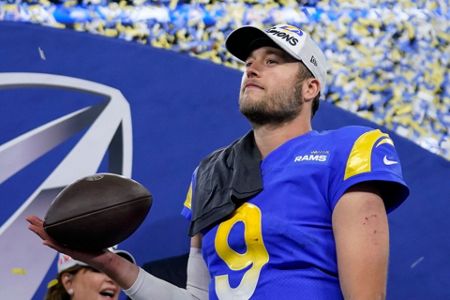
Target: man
x=285 y=211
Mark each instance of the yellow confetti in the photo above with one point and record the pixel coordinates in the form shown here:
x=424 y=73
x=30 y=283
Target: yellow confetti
x=410 y=30
x=405 y=109
x=52 y=283
x=110 y=32
x=173 y=4
x=18 y=271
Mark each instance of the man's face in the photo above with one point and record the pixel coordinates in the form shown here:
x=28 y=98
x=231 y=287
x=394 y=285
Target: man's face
x=270 y=88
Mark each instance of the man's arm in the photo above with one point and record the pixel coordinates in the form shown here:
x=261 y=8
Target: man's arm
x=148 y=286
x=122 y=271
x=361 y=232
x=137 y=283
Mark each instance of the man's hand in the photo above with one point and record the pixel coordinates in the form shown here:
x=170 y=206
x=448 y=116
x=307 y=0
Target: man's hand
x=37 y=226
x=116 y=267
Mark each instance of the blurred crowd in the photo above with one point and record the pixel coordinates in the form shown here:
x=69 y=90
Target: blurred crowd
x=389 y=62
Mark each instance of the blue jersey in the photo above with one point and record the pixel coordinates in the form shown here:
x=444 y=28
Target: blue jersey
x=280 y=244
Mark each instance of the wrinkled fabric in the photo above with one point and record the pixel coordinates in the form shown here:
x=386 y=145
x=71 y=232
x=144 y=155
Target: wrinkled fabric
x=225 y=179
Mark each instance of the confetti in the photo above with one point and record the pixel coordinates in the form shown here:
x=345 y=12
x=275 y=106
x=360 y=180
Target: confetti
x=418 y=261
x=18 y=271
x=41 y=53
x=389 y=63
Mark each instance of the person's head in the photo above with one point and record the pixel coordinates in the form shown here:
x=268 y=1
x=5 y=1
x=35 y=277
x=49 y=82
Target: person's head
x=284 y=71
x=76 y=280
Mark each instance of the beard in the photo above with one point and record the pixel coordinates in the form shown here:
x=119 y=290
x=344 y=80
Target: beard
x=272 y=109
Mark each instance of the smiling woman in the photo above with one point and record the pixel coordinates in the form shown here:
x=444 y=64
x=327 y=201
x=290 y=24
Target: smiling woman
x=77 y=281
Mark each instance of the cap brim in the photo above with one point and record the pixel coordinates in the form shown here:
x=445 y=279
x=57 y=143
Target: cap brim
x=241 y=42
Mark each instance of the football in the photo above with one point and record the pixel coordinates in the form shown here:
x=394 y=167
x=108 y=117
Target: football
x=97 y=212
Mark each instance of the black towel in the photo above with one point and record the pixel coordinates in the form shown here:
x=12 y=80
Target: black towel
x=225 y=179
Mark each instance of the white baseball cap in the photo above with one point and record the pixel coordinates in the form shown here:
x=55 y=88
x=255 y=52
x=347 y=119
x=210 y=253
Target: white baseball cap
x=291 y=39
x=65 y=261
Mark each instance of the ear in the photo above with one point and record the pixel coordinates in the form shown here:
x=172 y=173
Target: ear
x=311 y=88
x=66 y=281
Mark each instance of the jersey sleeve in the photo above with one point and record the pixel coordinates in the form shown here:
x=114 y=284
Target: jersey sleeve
x=187 y=206
x=370 y=158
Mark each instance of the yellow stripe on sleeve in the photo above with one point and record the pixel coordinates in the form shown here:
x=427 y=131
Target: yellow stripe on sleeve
x=360 y=158
x=385 y=141
x=188 y=200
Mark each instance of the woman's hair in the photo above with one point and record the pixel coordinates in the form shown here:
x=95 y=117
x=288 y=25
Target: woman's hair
x=56 y=290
